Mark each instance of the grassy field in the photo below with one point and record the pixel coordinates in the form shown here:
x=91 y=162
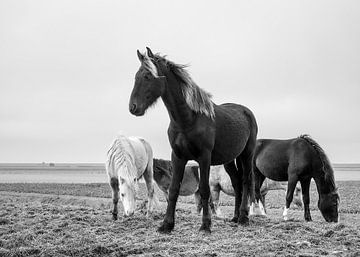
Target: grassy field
x=74 y=220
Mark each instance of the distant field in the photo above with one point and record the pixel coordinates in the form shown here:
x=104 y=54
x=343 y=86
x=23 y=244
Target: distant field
x=95 y=173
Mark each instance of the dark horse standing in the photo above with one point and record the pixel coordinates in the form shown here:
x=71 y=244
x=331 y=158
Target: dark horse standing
x=199 y=130
x=293 y=160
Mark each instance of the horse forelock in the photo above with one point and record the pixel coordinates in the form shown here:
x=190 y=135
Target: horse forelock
x=326 y=166
x=121 y=160
x=196 y=98
x=148 y=64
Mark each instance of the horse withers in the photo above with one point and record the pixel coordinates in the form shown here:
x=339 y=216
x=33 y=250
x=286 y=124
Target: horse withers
x=199 y=130
x=293 y=160
x=129 y=159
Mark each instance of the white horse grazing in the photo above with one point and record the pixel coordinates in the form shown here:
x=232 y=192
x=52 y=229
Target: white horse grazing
x=128 y=159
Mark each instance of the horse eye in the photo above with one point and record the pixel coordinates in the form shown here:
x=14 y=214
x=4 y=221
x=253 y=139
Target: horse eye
x=122 y=195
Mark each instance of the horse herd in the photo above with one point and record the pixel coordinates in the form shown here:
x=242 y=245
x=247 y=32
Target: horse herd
x=211 y=135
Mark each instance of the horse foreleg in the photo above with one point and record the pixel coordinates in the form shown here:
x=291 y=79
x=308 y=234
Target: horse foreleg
x=305 y=187
x=197 y=198
x=169 y=221
x=235 y=176
x=148 y=177
x=204 y=163
x=214 y=201
x=289 y=195
x=114 y=183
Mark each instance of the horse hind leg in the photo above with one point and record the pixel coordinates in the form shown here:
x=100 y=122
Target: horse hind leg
x=235 y=177
x=305 y=187
x=289 y=195
x=114 y=183
x=257 y=207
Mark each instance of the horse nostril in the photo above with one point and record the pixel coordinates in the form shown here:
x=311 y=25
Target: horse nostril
x=132 y=108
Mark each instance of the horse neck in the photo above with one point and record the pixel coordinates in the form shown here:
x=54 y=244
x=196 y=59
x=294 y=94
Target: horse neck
x=323 y=185
x=174 y=100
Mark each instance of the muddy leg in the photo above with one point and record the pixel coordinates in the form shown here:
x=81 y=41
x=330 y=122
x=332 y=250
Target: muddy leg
x=114 y=183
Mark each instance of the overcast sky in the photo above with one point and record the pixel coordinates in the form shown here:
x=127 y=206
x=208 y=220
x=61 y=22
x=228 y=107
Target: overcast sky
x=67 y=70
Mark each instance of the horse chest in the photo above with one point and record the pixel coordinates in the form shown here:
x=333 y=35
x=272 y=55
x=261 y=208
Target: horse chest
x=184 y=148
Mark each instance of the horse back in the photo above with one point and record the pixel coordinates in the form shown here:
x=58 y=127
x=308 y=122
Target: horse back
x=235 y=126
x=142 y=152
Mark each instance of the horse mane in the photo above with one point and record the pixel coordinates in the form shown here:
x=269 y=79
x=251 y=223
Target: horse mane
x=120 y=158
x=196 y=98
x=326 y=164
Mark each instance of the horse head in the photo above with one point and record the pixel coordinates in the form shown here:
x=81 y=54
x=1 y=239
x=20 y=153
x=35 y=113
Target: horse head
x=149 y=85
x=127 y=191
x=328 y=205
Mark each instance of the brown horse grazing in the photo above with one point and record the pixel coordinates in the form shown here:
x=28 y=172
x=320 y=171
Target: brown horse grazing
x=163 y=172
x=293 y=160
x=199 y=130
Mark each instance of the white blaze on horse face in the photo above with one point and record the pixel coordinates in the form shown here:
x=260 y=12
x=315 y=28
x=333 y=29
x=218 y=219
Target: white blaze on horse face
x=127 y=197
x=285 y=213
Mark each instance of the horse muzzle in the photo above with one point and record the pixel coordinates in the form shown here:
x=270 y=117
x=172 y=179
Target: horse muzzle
x=136 y=110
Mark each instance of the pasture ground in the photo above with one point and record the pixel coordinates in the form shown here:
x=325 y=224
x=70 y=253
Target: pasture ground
x=74 y=220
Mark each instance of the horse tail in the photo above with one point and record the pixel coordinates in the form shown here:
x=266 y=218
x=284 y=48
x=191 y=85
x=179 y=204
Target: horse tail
x=325 y=163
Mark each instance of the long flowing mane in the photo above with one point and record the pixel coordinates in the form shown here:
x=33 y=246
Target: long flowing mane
x=120 y=159
x=326 y=165
x=196 y=98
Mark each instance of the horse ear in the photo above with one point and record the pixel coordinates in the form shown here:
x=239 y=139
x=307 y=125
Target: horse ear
x=140 y=56
x=149 y=52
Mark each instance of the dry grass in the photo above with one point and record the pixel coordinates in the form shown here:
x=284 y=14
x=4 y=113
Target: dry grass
x=48 y=225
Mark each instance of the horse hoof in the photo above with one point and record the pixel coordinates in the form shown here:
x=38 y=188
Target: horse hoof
x=166 y=228
x=244 y=220
x=205 y=229
x=308 y=218
x=114 y=216
x=234 y=220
